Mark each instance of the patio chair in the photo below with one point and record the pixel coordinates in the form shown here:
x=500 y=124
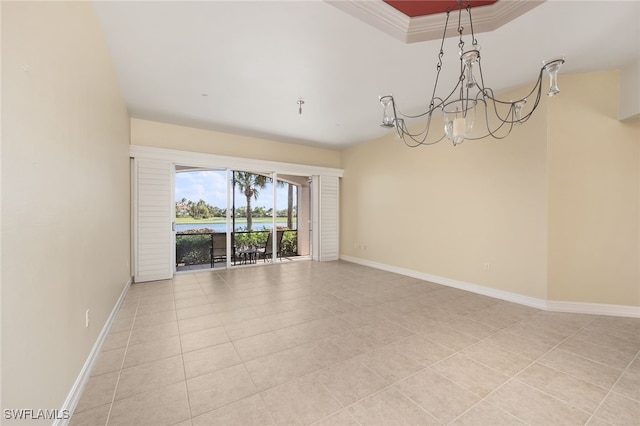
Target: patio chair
x=218 y=247
x=266 y=252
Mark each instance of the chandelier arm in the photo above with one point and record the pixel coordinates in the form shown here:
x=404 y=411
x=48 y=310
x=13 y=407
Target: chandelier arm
x=537 y=86
x=414 y=141
x=492 y=133
x=526 y=117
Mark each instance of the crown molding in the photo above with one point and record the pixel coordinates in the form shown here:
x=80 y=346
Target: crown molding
x=423 y=28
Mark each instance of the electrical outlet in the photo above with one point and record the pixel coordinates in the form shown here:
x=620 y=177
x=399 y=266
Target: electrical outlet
x=487 y=266
x=87 y=318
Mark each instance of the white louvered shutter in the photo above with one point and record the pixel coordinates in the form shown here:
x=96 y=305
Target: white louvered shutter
x=329 y=218
x=153 y=236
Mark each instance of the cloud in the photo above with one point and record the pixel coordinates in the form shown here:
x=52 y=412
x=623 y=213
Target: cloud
x=211 y=186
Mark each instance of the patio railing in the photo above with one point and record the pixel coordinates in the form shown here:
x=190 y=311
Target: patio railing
x=196 y=248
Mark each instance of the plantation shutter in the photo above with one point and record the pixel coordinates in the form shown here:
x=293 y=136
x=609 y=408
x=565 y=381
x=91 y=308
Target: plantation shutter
x=328 y=220
x=153 y=235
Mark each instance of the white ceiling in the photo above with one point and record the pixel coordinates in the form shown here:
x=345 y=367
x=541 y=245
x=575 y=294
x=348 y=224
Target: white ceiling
x=254 y=60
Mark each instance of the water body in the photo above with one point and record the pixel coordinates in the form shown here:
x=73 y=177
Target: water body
x=222 y=227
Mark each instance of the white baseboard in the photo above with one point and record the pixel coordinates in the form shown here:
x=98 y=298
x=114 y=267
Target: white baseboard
x=73 y=398
x=594 y=309
x=547 y=305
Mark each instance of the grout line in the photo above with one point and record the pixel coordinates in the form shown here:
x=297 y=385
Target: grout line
x=115 y=390
x=184 y=368
x=613 y=386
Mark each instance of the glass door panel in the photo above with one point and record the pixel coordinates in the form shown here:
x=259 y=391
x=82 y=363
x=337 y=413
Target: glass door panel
x=252 y=216
x=201 y=225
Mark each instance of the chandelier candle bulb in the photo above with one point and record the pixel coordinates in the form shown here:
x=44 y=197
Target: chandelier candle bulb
x=459 y=128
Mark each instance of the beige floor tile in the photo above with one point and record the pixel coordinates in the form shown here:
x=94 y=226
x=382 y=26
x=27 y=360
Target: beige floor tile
x=340 y=347
x=250 y=411
x=108 y=361
x=154 y=319
x=386 y=331
x=595 y=421
x=390 y=407
x=341 y=418
x=190 y=293
x=116 y=340
x=576 y=392
x=210 y=359
x=167 y=405
x=191 y=302
x=549 y=337
x=203 y=338
x=350 y=381
x=469 y=374
x=447 y=336
x=534 y=407
x=422 y=349
x=153 y=333
x=98 y=391
x=317 y=329
x=300 y=402
x=260 y=345
x=518 y=344
x=597 y=352
x=486 y=414
x=582 y=368
x=93 y=417
x=494 y=356
x=165 y=299
x=278 y=368
x=198 y=323
x=219 y=388
x=441 y=397
x=629 y=383
x=122 y=324
x=288 y=324
x=607 y=336
x=153 y=308
x=391 y=364
x=151 y=375
x=238 y=315
x=151 y=351
x=619 y=410
x=470 y=327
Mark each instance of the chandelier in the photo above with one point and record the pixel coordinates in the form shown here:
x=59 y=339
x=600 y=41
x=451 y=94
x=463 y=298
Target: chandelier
x=459 y=107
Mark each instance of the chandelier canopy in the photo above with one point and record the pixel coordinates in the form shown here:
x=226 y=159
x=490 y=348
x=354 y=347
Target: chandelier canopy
x=459 y=107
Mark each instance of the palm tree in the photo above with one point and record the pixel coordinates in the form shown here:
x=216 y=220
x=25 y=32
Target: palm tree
x=281 y=184
x=250 y=185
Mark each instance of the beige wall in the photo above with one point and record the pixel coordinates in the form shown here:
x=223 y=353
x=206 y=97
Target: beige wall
x=447 y=210
x=554 y=208
x=65 y=189
x=168 y=136
x=593 y=194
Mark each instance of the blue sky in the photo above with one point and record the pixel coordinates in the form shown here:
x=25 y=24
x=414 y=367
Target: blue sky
x=211 y=186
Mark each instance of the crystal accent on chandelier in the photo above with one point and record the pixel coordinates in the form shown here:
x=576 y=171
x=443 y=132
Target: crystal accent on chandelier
x=551 y=67
x=388 y=114
x=517 y=110
x=458 y=119
x=469 y=58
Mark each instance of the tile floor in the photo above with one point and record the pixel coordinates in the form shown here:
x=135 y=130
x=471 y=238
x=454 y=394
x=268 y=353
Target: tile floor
x=341 y=344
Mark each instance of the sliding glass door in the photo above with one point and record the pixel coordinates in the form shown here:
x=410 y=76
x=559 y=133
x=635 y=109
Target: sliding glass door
x=231 y=218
